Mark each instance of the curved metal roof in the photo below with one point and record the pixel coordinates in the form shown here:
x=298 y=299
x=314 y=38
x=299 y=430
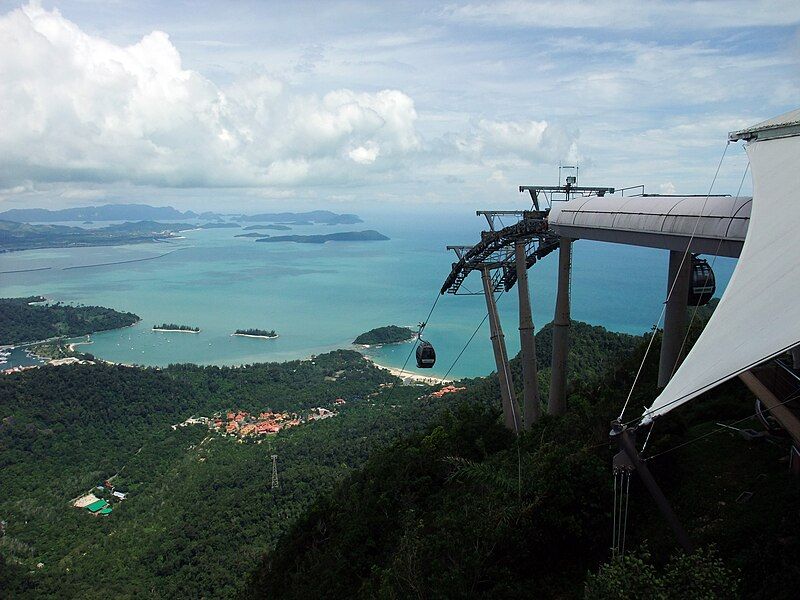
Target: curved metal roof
x=657 y=221
x=787 y=124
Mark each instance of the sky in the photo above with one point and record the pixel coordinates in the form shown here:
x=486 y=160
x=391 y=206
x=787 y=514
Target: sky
x=381 y=106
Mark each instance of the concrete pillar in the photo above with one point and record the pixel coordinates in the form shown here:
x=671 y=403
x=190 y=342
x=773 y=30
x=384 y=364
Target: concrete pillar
x=527 y=341
x=557 y=404
x=674 y=315
x=508 y=399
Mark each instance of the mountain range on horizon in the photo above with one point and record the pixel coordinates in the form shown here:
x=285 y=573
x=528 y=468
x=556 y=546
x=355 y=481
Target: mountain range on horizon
x=146 y=212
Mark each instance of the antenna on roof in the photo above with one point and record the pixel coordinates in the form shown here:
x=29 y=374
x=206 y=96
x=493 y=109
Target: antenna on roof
x=571 y=180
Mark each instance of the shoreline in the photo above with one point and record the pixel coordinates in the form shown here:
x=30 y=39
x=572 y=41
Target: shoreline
x=71 y=346
x=409 y=376
x=263 y=337
x=381 y=345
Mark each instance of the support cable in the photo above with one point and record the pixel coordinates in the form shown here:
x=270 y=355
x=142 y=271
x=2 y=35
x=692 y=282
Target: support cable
x=723 y=379
x=419 y=335
x=723 y=428
x=713 y=262
x=625 y=520
x=674 y=282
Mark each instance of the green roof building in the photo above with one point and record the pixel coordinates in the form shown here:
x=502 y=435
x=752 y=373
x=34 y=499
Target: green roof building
x=96 y=505
x=106 y=511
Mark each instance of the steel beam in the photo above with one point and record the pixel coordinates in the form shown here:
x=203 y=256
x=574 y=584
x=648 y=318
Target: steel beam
x=628 y=447
x=527 y=339
x=557 y=404
x=680 y=270
x=508 y=399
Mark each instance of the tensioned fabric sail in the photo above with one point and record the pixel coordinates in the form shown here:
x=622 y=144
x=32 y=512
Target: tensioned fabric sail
x=758 y=316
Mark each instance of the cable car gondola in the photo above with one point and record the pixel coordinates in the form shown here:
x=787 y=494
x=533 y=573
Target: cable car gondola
x=426 y=355
x=703 y=284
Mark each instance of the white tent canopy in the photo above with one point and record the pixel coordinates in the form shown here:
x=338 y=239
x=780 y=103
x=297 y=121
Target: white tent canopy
x=757 y=317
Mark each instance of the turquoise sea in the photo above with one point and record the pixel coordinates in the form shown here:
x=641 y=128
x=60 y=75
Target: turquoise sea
x=319 y=297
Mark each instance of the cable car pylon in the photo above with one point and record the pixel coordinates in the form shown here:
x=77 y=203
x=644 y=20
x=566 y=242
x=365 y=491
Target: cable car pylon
x=503 y=256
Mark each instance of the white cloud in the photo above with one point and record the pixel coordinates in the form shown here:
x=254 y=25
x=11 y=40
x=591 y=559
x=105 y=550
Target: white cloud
x=365 y=154
x=516 y=142
x=78 y=107
x=628 y=14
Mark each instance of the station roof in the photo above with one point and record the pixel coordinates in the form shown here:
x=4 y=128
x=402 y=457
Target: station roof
x=657 y=221
x=96 y=505
x=106 y=511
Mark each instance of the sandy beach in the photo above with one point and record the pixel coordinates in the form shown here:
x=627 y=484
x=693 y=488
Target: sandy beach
x=410 y=377
x=74 y=344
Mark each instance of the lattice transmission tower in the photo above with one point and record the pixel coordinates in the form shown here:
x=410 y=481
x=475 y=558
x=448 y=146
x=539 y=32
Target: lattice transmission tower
x=275 y=483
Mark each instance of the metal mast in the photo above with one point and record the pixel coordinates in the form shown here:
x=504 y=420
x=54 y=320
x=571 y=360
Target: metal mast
x=275 y=484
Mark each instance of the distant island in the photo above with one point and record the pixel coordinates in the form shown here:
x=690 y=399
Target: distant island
x=315 y=216
x=145 y=212
x=24 y=236
x=256 y=333
x=252 y=234
x=108 y=212
x=369 y=235
x=391 y=334
x=268 y=226
x=176 y=328
x=32 y=319
x=217 y=225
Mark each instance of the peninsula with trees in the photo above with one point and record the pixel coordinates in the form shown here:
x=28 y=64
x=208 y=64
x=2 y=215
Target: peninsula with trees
x=33 y=318
x=172 y=327
x=391 y=334
x=256 y=333
x=16 y=236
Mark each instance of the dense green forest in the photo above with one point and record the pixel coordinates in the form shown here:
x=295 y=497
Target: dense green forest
x=465 y=510
x=391 y=334
x=200 y=512
x=398 y=495
x=31 y=319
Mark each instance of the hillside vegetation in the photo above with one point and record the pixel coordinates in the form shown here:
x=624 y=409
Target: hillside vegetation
x=200 y=511
x=464 y=510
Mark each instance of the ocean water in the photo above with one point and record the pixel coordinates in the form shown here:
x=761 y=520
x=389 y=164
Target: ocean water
x=320 y=297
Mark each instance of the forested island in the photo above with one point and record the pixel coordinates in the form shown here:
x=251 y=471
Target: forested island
x=252 y=234
x=33 y=318
x=275 y=226
x=217 y=225
x=315 y=216
x=391 y=334
x=259 y=333
x=176 y=328
x=369 y=235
